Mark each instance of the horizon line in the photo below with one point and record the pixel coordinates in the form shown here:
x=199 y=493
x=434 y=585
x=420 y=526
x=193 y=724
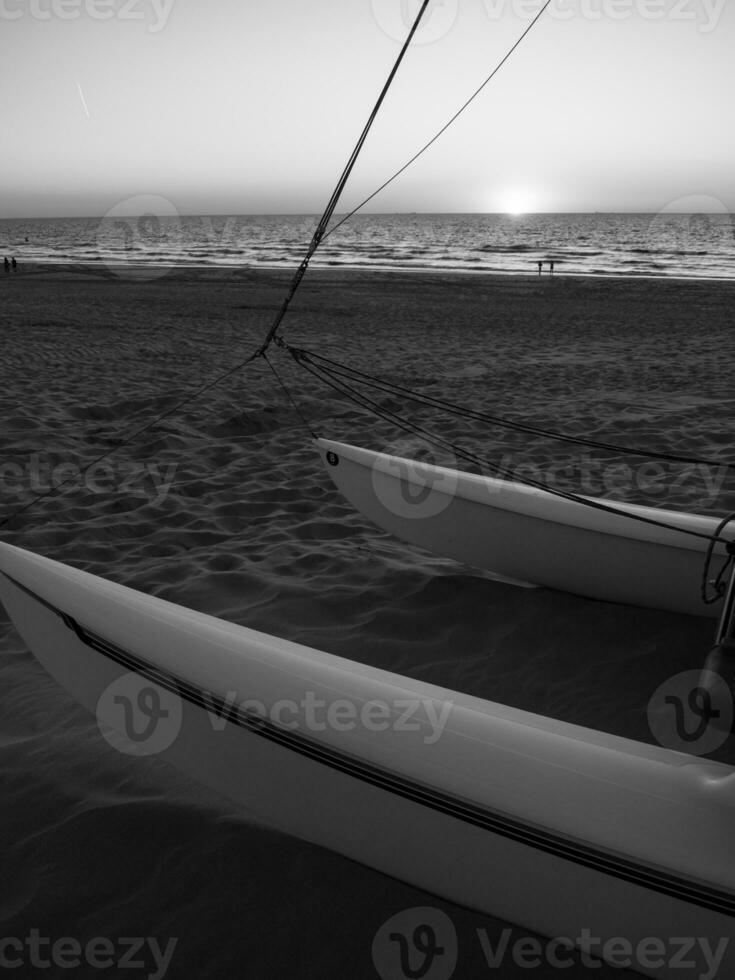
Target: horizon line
x=366 y=214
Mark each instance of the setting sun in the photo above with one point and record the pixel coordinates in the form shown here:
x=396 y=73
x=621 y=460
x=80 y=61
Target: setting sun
x=515 y=201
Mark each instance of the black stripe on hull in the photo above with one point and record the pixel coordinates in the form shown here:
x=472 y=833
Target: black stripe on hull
x=566 y=848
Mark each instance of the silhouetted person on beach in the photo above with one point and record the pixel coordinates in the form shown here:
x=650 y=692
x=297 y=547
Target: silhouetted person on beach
x=7 y=266
x=15 y=265
x=540 y=267
x=551 y=268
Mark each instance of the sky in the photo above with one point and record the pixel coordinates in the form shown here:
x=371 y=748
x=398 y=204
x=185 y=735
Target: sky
x=253 y=106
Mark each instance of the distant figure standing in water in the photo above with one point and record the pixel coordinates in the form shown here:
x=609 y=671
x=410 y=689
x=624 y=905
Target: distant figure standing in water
x=15 y=265
x=540 y=267
x=7 y=266
x=551 y=269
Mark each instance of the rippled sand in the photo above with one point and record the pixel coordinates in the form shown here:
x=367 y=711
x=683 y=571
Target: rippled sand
x=224 y=507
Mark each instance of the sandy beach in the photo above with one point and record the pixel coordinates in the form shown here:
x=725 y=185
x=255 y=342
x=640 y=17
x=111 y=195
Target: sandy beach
x=224 y=507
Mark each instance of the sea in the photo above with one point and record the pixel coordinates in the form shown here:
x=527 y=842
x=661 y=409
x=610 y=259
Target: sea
x=666 y=244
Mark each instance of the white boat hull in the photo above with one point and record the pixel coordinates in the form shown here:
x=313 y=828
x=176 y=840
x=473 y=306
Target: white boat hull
x=553 y=827
x=529 y=536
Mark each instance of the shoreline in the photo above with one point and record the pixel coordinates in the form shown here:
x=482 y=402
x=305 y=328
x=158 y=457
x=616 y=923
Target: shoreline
x=141 y=273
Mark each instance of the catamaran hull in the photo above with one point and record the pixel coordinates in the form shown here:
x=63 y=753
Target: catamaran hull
x=547 y=825
x=529 y=536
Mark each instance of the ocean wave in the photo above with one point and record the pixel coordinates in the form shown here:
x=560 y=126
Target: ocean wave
x=508 y=249
x=578 y=244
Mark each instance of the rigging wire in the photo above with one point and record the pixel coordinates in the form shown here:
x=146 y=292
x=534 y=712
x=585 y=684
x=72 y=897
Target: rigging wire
x=718 y=584
x=502 y=472
x=337 y=193
x=433 y=401
x=446 y=126
x=287 y=392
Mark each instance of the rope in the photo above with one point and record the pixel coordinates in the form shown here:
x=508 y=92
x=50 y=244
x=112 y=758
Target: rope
x=503 y=472
x=337 y=193
x=290 y=397
x=321 y=232
x=390 y=387
x=719 y=583
x=446 y=126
